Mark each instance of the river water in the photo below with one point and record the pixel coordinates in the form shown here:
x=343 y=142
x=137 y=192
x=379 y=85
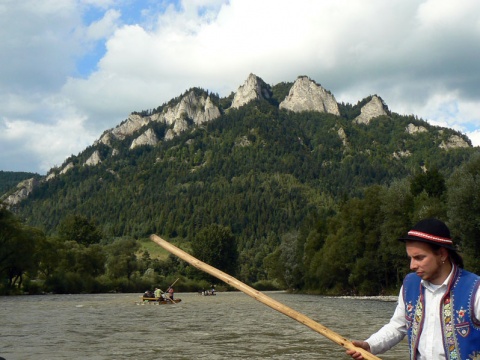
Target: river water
x=229 y=325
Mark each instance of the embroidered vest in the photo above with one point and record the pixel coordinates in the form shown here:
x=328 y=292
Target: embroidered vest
x=461 y=331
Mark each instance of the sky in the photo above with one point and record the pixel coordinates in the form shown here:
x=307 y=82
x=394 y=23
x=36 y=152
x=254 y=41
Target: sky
x=71 y=69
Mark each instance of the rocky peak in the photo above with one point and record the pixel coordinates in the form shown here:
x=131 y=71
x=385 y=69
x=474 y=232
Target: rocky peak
x=370 y=110
x=254 y=88
x=343 y=136
x=413 y=129
x=24 y=188
x=133 y=123
x=67 y=168
x=307 y=95
x=454 y=142
x=198 y=108
x=147 y=138
x=94 y=159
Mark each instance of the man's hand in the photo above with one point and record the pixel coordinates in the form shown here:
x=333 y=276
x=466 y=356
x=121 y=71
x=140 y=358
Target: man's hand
x=355 y=354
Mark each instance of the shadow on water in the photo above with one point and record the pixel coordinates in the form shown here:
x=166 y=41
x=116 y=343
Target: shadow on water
x=229 y=325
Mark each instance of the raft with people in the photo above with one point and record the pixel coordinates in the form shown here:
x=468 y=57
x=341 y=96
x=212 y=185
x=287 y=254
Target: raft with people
x=160 y=300
x=160 y=297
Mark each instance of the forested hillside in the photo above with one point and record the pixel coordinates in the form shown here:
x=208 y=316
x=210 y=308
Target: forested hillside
x=313 y=200
x=256 y=169
x=9 y=179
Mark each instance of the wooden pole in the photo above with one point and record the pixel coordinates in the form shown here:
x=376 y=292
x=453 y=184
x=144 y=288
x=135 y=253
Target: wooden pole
x=257 y=295
x=168 y=294
x=174 y=282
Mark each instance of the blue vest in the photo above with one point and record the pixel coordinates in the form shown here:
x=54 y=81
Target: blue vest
x=461 y=331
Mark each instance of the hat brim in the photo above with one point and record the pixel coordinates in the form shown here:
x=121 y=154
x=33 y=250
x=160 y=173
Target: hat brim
x=415 y=238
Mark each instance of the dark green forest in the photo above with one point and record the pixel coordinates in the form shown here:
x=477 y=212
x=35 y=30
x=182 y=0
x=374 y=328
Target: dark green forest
x=288 y=201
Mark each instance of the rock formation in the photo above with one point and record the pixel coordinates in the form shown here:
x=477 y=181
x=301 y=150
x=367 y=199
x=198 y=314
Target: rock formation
x=197 y=108
x=254 y=88
x=306 y=95
x=24 y=188
x=147 y=138
x=413 y=129
x=67 y=167
x=402 y=154
x=133 y=123
x=94 y=159
x=370 y=110
x=453 y=142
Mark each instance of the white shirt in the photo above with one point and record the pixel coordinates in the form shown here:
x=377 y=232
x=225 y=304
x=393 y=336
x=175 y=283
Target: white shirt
x=430 y=344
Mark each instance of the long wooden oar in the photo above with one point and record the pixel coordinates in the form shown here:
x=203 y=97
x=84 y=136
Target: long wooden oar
x=257 y=295
x=174 y=282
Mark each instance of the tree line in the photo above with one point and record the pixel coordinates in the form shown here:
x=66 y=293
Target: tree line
x=79 y=259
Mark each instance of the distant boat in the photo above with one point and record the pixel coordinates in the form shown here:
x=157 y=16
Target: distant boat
x=207 y=292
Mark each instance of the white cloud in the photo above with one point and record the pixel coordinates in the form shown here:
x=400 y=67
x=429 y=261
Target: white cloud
x=105 y=26
x=418 y=56
x=44 y=145
x=474 y=136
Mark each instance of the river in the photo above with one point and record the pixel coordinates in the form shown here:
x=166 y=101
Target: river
x=229 y=325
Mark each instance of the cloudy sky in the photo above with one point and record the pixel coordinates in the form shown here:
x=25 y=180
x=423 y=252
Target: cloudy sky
x=71 y=69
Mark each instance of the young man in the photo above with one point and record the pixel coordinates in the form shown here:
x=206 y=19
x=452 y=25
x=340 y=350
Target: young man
x=438 y=305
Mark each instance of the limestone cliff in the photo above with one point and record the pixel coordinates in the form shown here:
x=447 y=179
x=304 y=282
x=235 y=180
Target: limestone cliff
x=199 y=109
x=454 y=142
x=306 y=95
x=371 y=110
x=254 y=88
x=147 y=138
x=94 y=159
x=133 y=123
x=413 y=129
x=24 y=188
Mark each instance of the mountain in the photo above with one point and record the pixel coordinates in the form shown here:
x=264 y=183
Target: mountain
x=258 y=161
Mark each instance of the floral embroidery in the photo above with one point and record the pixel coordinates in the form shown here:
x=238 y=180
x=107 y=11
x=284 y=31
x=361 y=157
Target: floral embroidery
x=463 y=327
x=417 y=321
x=449 y=329
x=409 y=308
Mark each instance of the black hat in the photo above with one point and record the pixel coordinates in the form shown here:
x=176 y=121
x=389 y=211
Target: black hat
x=430 y=231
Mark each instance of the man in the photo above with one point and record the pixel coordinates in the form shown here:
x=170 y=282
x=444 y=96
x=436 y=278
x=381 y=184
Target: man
x=157 y=293
x=170 y=292
x=438 y=305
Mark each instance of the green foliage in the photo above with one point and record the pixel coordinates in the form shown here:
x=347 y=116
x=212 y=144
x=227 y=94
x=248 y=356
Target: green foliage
x=216 y=245
x=464 y=210
x=280 y=92
x=18 y=251
x=121 y=259
x=79 y=229
x=432 y=182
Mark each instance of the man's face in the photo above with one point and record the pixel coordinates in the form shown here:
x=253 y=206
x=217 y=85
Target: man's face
x=426 y=262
